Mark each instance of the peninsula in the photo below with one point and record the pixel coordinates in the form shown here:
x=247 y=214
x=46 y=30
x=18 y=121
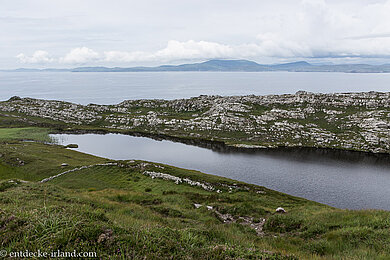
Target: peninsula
x=349 y=121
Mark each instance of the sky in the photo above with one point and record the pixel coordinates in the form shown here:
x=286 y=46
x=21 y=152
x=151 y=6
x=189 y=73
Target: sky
x=70 y=33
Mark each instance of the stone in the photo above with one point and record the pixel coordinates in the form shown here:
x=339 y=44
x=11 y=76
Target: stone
x=280 y=210
x=64 y=164
x=197 y=206
x=106 y=236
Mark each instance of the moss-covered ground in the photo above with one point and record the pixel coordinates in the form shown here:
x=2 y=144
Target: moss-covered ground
x=118 y=212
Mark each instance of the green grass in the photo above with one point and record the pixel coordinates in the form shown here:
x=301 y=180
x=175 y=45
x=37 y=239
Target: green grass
x=48 y=217
x=120 y=213
x=33 y=160
x=26 y=133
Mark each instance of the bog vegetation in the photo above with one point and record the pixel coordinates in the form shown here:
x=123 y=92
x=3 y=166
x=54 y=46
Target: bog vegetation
x=119 y=210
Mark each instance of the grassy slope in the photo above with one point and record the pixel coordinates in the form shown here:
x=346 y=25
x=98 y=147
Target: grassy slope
x=117 y=211
x=26 y=133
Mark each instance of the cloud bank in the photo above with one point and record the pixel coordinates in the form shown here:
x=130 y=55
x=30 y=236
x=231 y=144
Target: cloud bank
x=80 y=56
x=37 y=57
x=271 y=30
x=268 y=45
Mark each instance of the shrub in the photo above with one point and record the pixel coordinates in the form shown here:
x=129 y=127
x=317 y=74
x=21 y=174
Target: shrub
x=283 y=223
x=168 y=212
x=318 y=247
x=72 y=146
x=170 y=192
x=7 y=184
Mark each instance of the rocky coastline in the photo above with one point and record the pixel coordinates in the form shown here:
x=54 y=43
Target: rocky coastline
x=347 y=121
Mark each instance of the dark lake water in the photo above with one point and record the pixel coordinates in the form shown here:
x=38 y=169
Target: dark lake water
x=112 y=88
x=337 y=178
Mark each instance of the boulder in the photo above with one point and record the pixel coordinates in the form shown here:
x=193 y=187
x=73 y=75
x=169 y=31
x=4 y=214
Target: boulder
x=197 y=205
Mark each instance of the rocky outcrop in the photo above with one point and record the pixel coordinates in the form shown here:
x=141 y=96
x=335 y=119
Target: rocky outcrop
x=352 y=121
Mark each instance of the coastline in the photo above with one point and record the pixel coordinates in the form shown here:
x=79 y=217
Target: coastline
x=345 y=121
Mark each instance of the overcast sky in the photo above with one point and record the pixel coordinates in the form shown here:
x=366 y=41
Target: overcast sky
x=68 y=33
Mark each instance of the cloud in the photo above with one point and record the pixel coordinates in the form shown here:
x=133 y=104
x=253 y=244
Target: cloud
x=175 y=50
x=129 y=32
x=80 y=56
x=320 y=29
x=310 y=29
x=271 y=45
x=123 y=56
x=267 y=45
x=37 y=57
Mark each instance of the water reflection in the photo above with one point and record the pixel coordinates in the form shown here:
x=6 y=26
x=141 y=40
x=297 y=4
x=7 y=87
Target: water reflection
x=302 y=154
x=339 y=178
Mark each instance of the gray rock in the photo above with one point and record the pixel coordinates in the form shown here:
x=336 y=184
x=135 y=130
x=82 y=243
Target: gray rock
x=197 y=206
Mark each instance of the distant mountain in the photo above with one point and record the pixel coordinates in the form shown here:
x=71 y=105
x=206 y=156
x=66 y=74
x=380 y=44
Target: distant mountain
x=211 y=65
x=292 y=66
x=234 y=65
x=26 y=70
x=222 y=65
x=250 y=66
x=36 y=70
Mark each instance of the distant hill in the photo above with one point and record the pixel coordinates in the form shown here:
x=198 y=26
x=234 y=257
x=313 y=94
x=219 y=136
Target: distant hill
x=211 y=65
x=234 y=65
x=292 y=66
x=249 y=66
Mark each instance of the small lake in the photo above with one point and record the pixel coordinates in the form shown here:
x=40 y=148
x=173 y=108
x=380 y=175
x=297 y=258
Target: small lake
x=338 y=178
x=114 y=87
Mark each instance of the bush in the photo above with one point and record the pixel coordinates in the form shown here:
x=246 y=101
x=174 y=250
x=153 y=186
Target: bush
x=318 y=247
x=315 y=230
x=244 y=209
x=283 y=223
x=7 y=184
x=170 y=192
x=168 y=212
x=72 y=146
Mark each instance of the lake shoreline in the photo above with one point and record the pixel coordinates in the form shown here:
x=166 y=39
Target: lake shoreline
x=218 y=146
x=97 y=194
x=344 y=121
x=344 y=179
